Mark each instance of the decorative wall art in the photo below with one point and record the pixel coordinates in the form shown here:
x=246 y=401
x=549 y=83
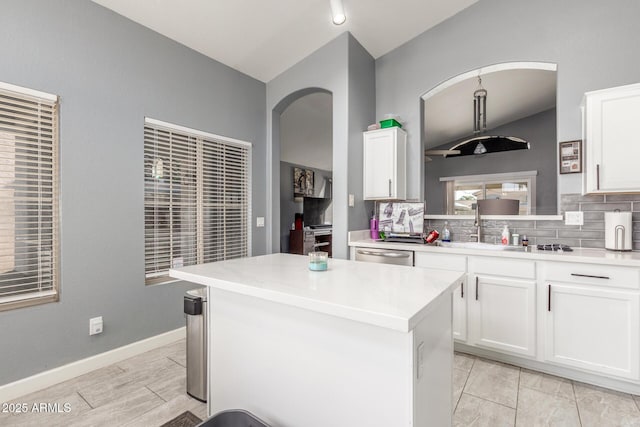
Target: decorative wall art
x=571 y=156
x=302 y=182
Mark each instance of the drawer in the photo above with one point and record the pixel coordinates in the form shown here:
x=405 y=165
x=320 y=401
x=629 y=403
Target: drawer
x=503 y=267
x=593 y=274
x=441 y=261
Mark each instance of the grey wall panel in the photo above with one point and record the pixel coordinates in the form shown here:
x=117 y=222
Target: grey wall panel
x=110 y=74
x=593 y=43
x=362 y=98
x=324 y=70
x=345 y=69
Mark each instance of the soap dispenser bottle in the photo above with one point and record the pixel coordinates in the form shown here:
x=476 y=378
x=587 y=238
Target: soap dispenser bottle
x=505 y=235
x=446 y=233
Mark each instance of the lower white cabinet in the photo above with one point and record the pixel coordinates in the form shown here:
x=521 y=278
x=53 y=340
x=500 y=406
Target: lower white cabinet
x=580 y=319
x=460 y=294
x=591 y=327
x=502 y=314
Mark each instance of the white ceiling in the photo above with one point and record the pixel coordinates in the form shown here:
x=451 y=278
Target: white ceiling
x=511 y=95
x=264 y=38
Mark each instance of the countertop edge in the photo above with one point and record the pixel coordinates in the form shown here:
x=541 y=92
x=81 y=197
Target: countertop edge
x=387 y=321
x=579 y=255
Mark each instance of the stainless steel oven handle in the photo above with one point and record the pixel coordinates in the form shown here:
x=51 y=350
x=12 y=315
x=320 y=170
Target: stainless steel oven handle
x=385 y=254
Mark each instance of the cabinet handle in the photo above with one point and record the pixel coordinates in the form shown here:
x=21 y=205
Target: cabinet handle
x=462 y=290
x=597 y=176
x=589 y=275
x=476 y=288
x=389 y=188
x=549 y=299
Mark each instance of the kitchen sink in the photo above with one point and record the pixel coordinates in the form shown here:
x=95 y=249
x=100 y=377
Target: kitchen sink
x=483 y=246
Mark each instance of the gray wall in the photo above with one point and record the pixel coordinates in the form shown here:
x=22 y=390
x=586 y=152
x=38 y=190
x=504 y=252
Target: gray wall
x=326 y=69
x=539 y=130
x=362 y=99
x=110 y=74
x=592 y=41
x=288 y=205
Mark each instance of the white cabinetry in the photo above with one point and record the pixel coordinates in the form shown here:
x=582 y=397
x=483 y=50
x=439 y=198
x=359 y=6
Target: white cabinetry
x=460 y=294
x=593 y=318
x=611 y=133
x=385 y=164
x=502 y=310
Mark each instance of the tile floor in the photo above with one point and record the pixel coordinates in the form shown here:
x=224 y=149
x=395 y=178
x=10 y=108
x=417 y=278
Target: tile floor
x=493 y=394
x=146 y=391
x=149 y=390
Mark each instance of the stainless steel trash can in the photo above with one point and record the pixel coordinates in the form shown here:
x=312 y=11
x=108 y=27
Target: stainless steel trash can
x=195 y=309
x=233 y=418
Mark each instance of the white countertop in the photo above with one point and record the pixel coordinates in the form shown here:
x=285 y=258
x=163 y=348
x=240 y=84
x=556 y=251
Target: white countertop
x=581 y=255
x=389 y=296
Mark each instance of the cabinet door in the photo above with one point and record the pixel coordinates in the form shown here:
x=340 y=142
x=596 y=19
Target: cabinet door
x=611 y=124
x=460 y=295
x=593 y=328
x=502 y=315
x=384 y=164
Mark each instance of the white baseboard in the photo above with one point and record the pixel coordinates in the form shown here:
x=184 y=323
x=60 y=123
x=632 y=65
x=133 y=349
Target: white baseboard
x=57 y=375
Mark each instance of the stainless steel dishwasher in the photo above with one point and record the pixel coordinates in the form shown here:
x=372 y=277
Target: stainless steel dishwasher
x=385 y=256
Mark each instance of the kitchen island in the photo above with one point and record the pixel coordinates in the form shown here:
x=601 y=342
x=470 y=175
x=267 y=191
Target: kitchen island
x=358 y=344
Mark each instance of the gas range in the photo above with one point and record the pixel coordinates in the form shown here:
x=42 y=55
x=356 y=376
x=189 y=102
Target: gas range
x=557 y=247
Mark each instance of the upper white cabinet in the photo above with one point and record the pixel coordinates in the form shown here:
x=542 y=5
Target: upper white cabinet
x=385 y=164
x=611 y=135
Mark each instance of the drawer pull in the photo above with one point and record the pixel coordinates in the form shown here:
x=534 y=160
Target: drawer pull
x=385 y=254
x=462 y=290
x=549 y=299
x=476 y=288
x=590 y=276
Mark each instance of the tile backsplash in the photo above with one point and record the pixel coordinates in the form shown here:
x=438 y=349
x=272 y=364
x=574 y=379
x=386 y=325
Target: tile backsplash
x=588 y=235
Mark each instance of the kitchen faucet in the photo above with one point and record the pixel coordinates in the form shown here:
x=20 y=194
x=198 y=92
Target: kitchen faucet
x=477 y=223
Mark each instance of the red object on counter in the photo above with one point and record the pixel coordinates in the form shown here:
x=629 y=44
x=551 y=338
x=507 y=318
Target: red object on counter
x=298 y=224
x=432 y=236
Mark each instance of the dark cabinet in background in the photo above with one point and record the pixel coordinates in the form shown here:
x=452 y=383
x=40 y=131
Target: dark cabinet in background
x=304 y=241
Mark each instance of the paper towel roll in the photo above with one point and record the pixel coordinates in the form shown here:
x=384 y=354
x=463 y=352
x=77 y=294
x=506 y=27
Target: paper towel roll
x=618 y=229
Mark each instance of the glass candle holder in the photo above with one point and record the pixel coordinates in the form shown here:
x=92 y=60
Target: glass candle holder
x=318 y=261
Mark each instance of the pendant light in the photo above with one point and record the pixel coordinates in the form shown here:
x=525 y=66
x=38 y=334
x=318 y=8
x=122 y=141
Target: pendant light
x=479 y=108
x=337 y=12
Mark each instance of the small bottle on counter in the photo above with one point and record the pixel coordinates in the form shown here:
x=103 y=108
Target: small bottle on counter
x=525 y=240
x=505 y=235
x=515 y=239
x=446 y=233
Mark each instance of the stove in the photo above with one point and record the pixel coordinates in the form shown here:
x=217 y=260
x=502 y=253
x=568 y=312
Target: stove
x=557 y=247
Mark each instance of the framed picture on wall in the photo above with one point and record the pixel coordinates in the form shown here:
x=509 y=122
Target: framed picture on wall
x=302 y=182
x=571 y=156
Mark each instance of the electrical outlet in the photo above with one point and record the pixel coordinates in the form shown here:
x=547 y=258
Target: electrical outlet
x=95 y=325
x=260 y=221
x=352 y=200
x=574 y=218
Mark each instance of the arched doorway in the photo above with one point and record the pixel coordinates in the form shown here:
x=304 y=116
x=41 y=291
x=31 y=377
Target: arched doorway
x=303 y=144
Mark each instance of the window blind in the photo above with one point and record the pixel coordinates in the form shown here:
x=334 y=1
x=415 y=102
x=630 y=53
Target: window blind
x=197 y=198
x=28 y=196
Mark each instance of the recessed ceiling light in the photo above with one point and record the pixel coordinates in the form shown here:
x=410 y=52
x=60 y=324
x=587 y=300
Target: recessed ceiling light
x=337 y=11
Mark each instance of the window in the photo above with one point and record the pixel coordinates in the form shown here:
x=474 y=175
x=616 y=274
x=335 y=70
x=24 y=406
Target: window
x=462 y=192
x=28 y=197
x=196 y=198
